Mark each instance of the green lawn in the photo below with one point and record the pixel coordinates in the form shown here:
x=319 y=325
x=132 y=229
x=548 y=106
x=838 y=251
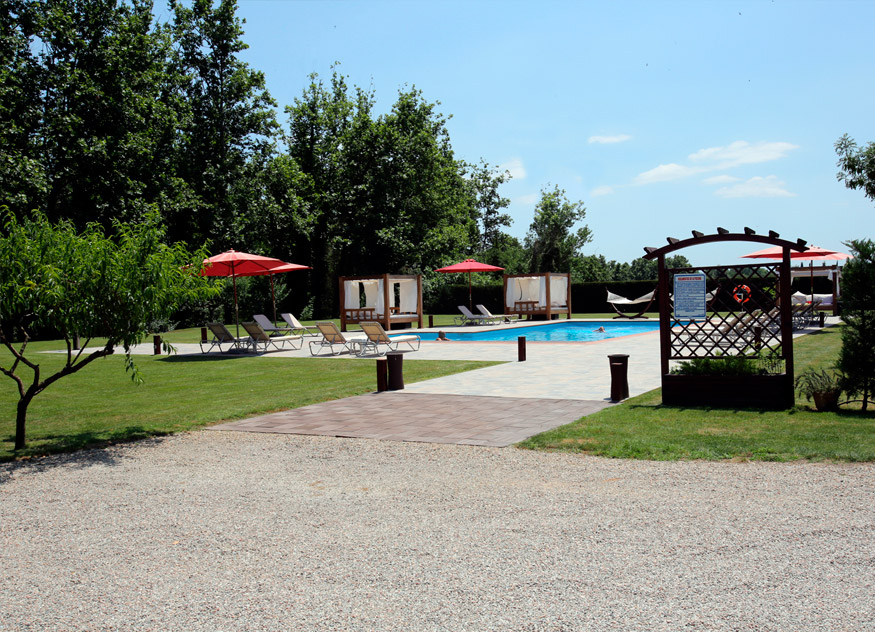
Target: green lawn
x=643 y=428
x=100 y=404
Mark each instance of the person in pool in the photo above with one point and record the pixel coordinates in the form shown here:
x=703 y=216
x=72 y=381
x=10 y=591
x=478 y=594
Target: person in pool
x=600 y=330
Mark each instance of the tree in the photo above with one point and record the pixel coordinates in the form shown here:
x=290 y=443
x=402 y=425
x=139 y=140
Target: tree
x=85 y=284
x=551 y=240
x=856 y=360
x=90 y=113
x=857 y=165
x=227 y=122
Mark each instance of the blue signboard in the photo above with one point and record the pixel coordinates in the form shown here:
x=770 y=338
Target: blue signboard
x=689 y=296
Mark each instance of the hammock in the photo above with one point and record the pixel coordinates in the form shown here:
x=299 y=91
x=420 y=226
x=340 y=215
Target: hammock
x=616 y=299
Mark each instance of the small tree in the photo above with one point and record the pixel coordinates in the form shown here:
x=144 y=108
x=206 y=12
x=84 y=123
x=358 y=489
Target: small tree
x=856 y=360
x=89 y=285
x=857 y=165
x=553 y=243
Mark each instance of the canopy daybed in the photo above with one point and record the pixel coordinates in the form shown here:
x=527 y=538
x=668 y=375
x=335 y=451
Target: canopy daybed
x=823 y=302
x=545 y=294
x=366 y=298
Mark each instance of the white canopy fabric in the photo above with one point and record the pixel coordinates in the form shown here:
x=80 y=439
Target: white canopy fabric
x=408 y=302
x=558 y=291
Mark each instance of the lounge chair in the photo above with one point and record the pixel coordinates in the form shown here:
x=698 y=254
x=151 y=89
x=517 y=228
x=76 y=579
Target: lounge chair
x=258 y=336
x=269 y=326
x=296 y=326
x=381 y=343
x=467 y=318
x=221 y=336
x=332 y=336
x=616 y=299
x=508 y=318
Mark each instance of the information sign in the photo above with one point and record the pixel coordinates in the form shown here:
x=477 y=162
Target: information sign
x=689 y=296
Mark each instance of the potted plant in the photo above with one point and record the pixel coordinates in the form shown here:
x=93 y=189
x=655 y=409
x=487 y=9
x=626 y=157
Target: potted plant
x=821 y=385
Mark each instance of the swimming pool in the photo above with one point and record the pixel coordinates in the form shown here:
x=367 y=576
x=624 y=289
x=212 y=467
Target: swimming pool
x=554 y=332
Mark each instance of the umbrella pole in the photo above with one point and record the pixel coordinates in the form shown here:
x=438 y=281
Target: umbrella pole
x=470 y=302
x=272 y=298
x=236 y=312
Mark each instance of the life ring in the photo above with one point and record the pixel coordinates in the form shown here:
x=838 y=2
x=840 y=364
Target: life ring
x=741 y=294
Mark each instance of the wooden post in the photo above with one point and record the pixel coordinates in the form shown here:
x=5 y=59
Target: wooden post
x=382 y=376
x=341 y=281
x=430 y=321
x=156 y=348
x=521 y=348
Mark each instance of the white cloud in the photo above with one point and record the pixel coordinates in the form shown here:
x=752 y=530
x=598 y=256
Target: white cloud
x=767 y=187
x=742 y=153
x=527 y=199
x=717 y=159
x=603 y=190
x=610 y=140
x=515 y=167
x=664 y=173
x=721 y=180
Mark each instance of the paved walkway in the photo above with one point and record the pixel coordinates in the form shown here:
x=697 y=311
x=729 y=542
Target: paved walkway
x=409 y=416
x=494 y=406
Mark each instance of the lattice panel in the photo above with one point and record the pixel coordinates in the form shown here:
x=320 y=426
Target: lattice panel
x=743 y=316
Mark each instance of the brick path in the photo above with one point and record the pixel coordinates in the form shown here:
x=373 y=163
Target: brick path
x=435 y=418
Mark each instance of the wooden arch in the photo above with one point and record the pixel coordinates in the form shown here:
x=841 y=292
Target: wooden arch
x=777 y=391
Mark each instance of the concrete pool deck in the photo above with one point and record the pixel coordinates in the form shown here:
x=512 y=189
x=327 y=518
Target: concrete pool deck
x=494 y=406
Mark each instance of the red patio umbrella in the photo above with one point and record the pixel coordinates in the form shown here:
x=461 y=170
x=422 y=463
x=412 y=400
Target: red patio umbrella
x=814 y=253
x=469 y=266
x=236 y=264
x=286 y=267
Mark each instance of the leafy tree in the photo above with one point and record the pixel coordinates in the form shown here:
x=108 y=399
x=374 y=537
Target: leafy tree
x=856 y=360
x=85 y=284
x=227 y=122
x=551 y=240
x=857 y=165
x=92 y=107
x=382 y=193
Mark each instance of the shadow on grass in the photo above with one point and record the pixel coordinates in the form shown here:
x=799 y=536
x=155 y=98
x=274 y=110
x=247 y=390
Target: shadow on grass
x=81 y=449
x=206 y=358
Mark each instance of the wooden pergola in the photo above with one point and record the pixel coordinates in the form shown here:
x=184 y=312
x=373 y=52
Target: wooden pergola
x=380 y=303
x=543 y=299
x=758 y=327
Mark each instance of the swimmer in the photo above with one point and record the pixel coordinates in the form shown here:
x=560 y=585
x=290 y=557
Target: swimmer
x=600 y=330
x=442 y=337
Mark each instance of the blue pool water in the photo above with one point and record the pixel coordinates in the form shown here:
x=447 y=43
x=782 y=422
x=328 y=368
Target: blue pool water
x=555 y=332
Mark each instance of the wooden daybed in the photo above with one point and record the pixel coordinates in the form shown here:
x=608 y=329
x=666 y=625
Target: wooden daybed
x=545 y=294
x=824 y=302
x=364 y=298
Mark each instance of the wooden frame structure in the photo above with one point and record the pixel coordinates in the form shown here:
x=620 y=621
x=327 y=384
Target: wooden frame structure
x=833 y=272
x=380 y=293
x=537 y=297
x=762 y=327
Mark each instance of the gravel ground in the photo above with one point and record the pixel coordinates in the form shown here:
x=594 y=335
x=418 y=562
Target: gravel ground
x=233 y=531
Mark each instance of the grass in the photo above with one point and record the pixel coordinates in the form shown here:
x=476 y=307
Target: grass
x=100 y=404
x=642 y=428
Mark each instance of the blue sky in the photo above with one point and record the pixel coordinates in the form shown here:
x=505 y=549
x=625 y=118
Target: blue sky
x=662 y=117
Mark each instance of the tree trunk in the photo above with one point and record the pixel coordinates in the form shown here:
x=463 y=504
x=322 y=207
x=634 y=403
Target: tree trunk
x=21 y=420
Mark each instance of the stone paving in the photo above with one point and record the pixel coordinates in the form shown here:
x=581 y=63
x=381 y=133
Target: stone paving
x=403 y=416
x=495 y=406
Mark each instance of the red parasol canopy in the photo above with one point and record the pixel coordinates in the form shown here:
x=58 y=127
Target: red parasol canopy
x=469 y=266
x=814 y=253
x=236 y=264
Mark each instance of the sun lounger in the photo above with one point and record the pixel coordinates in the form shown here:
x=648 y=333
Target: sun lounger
x=381 y=343
x=221 y=336
x=467 y=318
x=258 y=336
x=297 y=327
x=269 y=326
x=508 y=318
x=332 y=337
